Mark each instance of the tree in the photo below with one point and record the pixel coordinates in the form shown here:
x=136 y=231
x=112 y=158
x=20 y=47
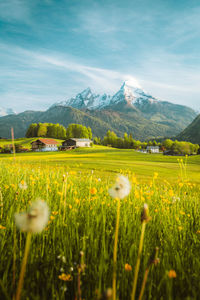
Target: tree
x=78 y=131
x=32 y=130
x=42 y=130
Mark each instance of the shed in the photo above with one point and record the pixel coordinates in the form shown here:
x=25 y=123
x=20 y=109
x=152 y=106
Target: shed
x=73 y=143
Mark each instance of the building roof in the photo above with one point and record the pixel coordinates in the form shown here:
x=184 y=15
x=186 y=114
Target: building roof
x=153 y=147
x=79 y=140
x=47 y=141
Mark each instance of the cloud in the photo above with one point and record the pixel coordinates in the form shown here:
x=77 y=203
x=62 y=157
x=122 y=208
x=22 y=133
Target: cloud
x=51 y=76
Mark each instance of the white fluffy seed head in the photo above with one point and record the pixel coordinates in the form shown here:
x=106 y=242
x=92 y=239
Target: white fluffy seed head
x=121 y=188
x=23 y=185
x=35 y=219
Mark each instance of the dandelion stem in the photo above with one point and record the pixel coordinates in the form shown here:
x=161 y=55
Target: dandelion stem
x=14 y=257
x=23 y=268
x=115 y=251
x=144 y=283
x=13 y=142
x=138 y=261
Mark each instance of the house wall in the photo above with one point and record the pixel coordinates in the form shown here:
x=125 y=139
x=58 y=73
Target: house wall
x=39 y=147
x=49 y=148
x=83 y=144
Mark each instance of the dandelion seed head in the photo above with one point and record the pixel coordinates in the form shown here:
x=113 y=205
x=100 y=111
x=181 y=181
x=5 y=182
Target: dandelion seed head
x=23 y=185
x=121 y=188
x=35 y=219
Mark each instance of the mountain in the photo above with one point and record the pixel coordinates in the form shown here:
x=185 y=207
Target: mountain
x=130 y=110
x=192 y=132
x=100 y=121
x=86 y=99
x=6 y=111
x=131 y=97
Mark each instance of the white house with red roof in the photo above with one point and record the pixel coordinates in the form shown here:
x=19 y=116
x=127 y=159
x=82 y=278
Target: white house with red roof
x=44 y=145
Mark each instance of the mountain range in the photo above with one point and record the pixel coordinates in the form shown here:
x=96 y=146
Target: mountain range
x=130 y=110
x=192 y=132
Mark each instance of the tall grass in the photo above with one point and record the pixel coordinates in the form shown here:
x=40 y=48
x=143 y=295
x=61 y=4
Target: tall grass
x=83 y=219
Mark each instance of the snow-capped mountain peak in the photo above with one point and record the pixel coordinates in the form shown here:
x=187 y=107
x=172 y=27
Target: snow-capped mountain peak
x=86 y=99
x=130 y=93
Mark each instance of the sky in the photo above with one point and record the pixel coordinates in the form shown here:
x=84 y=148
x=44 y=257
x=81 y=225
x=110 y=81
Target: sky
x=50 y=50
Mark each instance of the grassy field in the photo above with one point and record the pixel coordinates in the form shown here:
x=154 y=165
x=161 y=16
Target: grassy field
x=83 y=217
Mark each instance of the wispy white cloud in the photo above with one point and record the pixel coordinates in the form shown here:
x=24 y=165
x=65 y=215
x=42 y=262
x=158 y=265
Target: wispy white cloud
x=51 y=76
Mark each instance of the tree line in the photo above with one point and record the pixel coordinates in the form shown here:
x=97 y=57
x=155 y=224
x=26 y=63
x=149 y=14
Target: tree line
x=127 y=142
x=57 y=131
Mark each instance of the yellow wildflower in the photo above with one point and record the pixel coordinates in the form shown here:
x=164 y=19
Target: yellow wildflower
x=128 y=267
x=182 y=212
x=65 y=277
x=93 y=191
x=54 y=213
x=155 y=175
x=2 y=227
x=172 y=274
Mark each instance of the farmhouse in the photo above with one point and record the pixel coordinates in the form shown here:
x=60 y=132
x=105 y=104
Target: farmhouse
x=44 y=145
x=75 y=143
x=152 y=149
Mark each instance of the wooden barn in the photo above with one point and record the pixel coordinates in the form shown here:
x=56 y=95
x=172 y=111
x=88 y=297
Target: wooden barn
x=44 y=145
x=73 y=143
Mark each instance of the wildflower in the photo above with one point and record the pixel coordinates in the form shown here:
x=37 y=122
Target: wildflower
x=172 y=274
x=65 y=277
x=2 y=227
x=54 y=213
x=121 y=187
x=93 y=191
x=155 y=175
x=64 y=259
x=128 y=267
x=23 y=185
x=35 y=219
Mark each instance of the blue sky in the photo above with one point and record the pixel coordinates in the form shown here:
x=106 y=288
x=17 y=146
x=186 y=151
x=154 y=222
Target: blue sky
x=52 y=49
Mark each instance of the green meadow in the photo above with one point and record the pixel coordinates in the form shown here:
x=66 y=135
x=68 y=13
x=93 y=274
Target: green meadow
x=75 y=186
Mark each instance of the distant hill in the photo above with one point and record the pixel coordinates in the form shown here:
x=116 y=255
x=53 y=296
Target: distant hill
x=192 y=132
x=129 y=110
